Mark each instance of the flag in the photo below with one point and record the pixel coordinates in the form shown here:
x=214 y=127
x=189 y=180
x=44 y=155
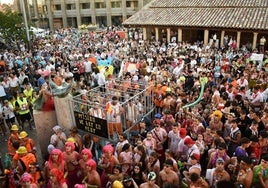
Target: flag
x=109 y=108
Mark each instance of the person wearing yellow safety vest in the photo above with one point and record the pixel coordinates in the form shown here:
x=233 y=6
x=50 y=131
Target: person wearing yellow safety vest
x=28 y=93
x=22 y=106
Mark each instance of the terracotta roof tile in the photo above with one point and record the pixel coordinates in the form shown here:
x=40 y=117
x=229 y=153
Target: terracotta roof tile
x=242 y=14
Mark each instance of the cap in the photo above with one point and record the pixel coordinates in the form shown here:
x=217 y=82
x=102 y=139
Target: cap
x=232 y=114
x=188 y=141
x=50 y=147
x=5 y=101
x=70 y=139
x=14 y=128
x=117 y=184
x=183 y=131
x=220 y=160
x=22 y=150
x=151 y=176
x=158 y=115
x=217 y=113
x=195 y=156
x=23 y=134
x=55 y=128
x=156 y=122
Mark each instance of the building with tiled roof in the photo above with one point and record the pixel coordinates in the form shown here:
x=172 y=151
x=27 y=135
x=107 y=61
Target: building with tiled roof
x=192 y=20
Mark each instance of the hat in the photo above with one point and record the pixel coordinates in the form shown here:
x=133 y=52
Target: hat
x=55 y=128
x=22 y=150
x=151 y=176
x=195 y=156
x=23 y=134
x=183 y=131
x=70 y=139
x=169 y=162
x=188 y=141
x=5 y=101
x=50 y=147
x=14 y=128
x=217 y=113
x=117 y=184
x=232 y=114
x=158 y=115
x=220 y=160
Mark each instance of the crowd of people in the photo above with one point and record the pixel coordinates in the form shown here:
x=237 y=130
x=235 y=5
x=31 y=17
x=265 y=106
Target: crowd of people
x=220 y=141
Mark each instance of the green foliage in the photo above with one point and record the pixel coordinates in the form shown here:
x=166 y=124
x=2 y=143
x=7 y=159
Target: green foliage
x=12 y=28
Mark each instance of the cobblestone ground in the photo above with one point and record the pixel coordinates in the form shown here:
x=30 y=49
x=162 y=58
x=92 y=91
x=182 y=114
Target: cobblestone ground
x=32 y=134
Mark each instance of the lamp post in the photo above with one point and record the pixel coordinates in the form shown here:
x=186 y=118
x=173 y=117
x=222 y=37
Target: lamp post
x=25 y=22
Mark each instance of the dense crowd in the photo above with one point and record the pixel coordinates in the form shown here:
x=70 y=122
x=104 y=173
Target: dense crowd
x=222 y=140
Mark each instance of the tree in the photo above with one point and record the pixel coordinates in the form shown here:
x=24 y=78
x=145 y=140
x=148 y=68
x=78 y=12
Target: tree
x=12 y=28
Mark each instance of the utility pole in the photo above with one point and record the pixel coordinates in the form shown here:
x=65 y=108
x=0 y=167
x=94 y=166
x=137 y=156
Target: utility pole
x=22 y=2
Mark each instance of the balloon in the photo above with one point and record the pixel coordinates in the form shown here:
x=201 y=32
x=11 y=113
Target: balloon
x=203 y=83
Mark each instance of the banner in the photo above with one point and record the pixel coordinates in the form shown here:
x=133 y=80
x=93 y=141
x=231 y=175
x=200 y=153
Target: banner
x=91 y=124
x=256 y=57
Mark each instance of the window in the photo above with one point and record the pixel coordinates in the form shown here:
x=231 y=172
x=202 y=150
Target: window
x=100 y=5
x=86 y=20
x=85 y=5
x=70 y=6
x=116 y=4
x=57 y=7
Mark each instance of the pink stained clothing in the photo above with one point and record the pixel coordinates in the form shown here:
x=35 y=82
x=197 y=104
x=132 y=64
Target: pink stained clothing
x=127 y=157
x=136 y=158
x=174 y=141
x=159 y=136
x=149 y=145
x=182 y=148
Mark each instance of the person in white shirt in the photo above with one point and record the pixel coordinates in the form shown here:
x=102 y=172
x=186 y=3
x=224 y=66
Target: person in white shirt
x=8 y=113
x=2 y=92
x=23 y=80
x=88 y=68
x=257 y=100
x=242 y=82
x=14 y=84
x=101 y=79
x=192 y=148
x=114 y=111
x=174 y=139
x=49 y=66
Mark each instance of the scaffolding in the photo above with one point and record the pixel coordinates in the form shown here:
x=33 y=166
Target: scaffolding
x=90 y=109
